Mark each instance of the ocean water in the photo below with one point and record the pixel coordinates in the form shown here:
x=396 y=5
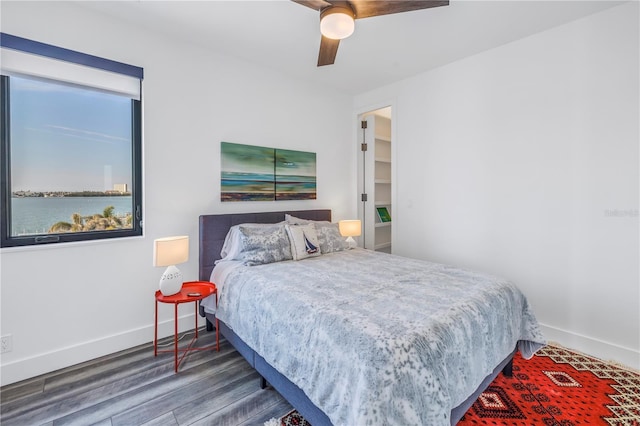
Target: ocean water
x=260 y=186
x=35 y=215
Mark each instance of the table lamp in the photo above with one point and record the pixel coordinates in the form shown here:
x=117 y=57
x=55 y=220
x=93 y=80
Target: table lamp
x=169 y=252
x=350 y=229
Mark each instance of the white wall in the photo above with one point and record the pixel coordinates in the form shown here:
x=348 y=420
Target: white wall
x=511 y=162
x=69 y=303
x=506 y=162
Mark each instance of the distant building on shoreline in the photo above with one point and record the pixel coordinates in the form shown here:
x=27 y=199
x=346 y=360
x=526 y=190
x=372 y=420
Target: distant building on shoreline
x=120 y=187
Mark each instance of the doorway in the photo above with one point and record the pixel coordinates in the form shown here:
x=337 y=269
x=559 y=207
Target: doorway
x=375 y=179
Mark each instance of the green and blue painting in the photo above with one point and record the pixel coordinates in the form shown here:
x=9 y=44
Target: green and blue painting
x=248 y=172
x=256 y=173
x=295 y=175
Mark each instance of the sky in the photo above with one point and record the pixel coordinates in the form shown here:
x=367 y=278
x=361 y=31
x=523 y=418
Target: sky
x=241 y=158
x=65 y=138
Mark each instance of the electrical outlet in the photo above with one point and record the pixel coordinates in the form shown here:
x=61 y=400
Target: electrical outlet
x=6 y=343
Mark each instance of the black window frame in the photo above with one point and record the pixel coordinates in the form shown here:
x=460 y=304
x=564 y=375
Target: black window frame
x=6 y=239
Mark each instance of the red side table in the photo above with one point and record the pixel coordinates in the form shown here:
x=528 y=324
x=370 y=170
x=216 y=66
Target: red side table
x=192 y=291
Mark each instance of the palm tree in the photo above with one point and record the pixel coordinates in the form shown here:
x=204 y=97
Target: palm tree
x=108 y=211
x=78 y=222
x=60 y=227
x=96 y=222
x=114 y=221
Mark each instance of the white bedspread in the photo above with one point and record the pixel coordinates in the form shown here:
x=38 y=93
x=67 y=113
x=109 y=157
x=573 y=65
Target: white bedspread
x=378 y=339
x=219 y=277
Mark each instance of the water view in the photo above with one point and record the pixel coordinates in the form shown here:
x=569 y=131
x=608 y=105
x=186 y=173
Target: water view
x=36 y=215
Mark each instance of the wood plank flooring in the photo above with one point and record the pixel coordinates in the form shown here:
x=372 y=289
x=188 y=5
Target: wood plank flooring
x=133 y=388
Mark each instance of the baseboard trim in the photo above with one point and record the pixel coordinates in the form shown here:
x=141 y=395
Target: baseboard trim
x=605 y=351
x=47 y=362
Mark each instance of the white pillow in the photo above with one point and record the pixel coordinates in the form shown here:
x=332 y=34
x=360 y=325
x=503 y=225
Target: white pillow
x=296 y=220
x=304 y=241
x=328 y=233
x=232 y=245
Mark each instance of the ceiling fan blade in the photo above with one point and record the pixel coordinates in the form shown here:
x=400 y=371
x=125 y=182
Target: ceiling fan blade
x=328 y=51
x=362 y=9
x=313 y=4
x=369 y=8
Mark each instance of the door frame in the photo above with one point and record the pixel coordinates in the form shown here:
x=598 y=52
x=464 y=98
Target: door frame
x=358 y=114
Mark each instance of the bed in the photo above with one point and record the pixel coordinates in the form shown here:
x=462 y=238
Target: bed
x=390 y=375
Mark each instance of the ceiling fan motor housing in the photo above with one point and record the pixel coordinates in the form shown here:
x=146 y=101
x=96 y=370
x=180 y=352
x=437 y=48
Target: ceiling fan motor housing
x=337 y=22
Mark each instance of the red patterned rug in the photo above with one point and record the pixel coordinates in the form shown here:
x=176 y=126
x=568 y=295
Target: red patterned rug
x=557 y=387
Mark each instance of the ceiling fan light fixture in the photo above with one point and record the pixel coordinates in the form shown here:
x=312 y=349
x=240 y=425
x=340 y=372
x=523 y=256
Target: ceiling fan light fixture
x=337 y=22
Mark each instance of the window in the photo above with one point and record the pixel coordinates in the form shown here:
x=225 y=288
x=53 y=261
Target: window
x=71 y=145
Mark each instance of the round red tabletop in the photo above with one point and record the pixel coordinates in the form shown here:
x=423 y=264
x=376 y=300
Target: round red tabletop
x=190 y=292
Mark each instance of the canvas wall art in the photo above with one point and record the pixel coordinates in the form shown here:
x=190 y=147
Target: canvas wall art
x=247 y=172
x=256 y=173
x=295 y=175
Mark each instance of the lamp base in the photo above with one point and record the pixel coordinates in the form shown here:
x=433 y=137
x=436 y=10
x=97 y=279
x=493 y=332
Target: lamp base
x=171 y=281
x=351 y=242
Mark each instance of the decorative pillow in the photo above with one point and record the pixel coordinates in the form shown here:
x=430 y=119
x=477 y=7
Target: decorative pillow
x=304 y=241
x=330 y=238
x=266 y=244
x=232 y=246
x=329 y=235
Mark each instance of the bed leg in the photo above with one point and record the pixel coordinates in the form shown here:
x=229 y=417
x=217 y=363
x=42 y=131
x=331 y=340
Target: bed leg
x=263 y=383
x=209 y=325
x=508 y=369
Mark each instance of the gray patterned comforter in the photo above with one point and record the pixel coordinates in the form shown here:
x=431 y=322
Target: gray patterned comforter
x=376 y=339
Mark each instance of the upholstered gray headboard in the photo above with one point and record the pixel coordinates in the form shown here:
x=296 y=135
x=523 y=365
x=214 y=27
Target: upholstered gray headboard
x=214 y=228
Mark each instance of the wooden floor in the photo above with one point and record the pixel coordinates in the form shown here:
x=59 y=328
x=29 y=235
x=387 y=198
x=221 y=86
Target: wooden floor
x=134 y=388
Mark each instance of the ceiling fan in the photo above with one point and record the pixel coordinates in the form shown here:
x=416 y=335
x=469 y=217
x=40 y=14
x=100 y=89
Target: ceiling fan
x=337 y=18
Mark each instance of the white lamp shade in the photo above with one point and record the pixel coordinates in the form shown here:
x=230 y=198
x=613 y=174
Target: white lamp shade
x=170 y=251
x=337 y=23
x=350 y=228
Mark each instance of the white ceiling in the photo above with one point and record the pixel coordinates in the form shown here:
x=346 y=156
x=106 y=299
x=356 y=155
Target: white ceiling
x=284 y=36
